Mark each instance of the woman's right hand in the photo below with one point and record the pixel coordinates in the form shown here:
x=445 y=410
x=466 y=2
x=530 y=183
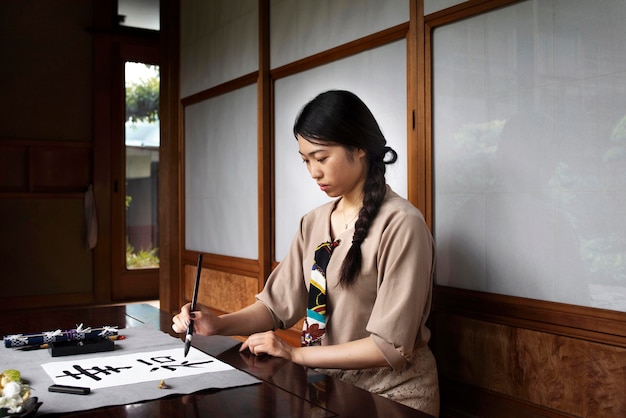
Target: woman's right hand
x=205 y=322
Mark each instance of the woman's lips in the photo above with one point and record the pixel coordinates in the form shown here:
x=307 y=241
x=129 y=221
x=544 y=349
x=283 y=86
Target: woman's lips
x=323 y=187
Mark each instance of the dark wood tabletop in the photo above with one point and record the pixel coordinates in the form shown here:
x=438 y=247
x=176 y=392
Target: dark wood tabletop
x=287 y=390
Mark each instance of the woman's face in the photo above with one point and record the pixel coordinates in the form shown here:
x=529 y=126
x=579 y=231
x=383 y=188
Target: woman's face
x=337 y=170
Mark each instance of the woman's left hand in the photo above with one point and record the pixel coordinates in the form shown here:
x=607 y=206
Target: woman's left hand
x=268 y=343
x=357 y=354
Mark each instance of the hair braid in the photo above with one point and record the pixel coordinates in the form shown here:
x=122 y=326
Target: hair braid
x=373 y=194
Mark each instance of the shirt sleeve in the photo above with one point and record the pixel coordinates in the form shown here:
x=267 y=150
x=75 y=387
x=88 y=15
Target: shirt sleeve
x=285 y=293
x=405 y=261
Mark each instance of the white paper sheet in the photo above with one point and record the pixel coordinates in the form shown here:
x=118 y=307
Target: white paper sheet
x=101 y=372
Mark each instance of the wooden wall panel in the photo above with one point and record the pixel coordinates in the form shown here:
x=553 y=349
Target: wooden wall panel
x=569 y=375
x=65 y=169
x=28 y=166
x=225 y=292
x=44 y=257
x=13 y=168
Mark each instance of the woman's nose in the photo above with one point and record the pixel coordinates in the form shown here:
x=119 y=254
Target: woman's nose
x=316 y=173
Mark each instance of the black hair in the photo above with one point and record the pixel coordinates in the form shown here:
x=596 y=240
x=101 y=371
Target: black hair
x=340 y=117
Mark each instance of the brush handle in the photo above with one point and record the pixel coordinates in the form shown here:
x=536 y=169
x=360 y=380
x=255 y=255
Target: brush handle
x=194 y=300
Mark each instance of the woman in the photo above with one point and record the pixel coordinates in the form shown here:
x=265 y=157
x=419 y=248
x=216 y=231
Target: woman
x=359 y=268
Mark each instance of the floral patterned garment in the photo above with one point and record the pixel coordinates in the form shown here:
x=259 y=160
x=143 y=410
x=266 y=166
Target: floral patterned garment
x=314 y=328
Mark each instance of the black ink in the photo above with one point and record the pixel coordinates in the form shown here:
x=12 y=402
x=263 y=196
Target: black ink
x=92 y=372
x=163 y=363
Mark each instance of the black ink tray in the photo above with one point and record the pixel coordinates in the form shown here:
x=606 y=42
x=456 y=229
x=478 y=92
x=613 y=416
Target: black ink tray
x=68 y=348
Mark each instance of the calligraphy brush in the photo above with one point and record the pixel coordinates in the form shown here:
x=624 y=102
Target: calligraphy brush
x=194 y=299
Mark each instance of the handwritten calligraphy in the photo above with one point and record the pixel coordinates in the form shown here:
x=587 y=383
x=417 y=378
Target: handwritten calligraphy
x=106 y=371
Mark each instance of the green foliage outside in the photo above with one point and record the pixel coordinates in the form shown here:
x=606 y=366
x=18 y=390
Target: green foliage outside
x=142 y=100
x=141 y=259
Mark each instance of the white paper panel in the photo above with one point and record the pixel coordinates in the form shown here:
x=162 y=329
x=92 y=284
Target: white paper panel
x=432 y=6
x=219 y=42
x=530 y=152
x=305 y=27
x=221 y=196
x=378 y=77
x=144 y=14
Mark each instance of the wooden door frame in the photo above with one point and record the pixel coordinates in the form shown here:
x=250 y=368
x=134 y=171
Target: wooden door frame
x=126 y=284
x=113 y=45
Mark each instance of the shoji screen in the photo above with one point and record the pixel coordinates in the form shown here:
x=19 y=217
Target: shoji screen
x=220 y=175
x=530 y=152
x=305 y=27
x=432 y=6
x=378 y=76
x=219 y=44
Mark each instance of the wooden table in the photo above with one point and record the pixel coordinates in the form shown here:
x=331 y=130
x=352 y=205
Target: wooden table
x=286 y=389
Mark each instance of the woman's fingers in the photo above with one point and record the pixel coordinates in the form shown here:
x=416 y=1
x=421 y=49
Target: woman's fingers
x=266 y=343
x=254 y=343
x=180 y=322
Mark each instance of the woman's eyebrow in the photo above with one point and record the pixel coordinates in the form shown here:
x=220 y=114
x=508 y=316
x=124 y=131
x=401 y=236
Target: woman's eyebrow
x=312 y=153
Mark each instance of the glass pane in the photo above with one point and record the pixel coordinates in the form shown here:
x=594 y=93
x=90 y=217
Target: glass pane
x=142 y=162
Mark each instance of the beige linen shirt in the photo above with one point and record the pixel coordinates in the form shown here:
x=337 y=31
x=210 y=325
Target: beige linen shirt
x=390 y=300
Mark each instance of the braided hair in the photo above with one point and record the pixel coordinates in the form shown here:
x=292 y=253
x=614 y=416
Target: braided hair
x=340 y=117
